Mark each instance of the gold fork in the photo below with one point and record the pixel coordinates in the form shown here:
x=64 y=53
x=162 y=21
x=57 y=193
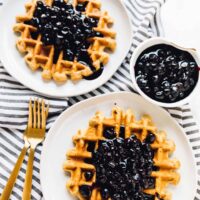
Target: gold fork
x=13 y=176
x=35 y=135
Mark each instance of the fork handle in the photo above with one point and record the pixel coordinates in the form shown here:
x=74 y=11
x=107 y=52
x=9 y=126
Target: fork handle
x=11 y=181
x=28 y=179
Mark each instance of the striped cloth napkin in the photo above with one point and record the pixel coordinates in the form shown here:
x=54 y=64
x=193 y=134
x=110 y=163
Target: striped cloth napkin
x=14 y=99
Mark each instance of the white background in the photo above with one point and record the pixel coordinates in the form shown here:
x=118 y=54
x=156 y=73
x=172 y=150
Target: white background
x=181 y=23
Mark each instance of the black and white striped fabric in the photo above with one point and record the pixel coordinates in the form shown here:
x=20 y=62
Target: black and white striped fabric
x=14 y=99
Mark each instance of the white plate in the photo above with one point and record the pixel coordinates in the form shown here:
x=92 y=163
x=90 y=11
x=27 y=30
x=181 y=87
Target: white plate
x=59 y=141
x=16 y=66
x=181 y=22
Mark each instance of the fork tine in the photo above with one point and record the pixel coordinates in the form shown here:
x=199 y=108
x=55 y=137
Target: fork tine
x=34 y=114
x=43 y=114
x=38 y=113
x=30 y=114
x=47 y=110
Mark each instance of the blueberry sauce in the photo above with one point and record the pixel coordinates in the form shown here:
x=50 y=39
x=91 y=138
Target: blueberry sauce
x=67 y=29
x=95 y=74
x=123 y=167
x=165 y=73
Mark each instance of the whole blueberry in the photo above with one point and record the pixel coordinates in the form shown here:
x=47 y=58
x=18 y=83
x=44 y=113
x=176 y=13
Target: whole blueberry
x=88 y=175
x=105 y=193
x=109 y=132
x=85 y=191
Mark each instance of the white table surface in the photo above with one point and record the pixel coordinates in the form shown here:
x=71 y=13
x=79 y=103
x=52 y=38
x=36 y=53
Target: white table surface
x=181 y=23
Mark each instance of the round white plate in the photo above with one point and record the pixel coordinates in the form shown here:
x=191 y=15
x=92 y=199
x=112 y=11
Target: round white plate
x=59 y=141
x=16 y=66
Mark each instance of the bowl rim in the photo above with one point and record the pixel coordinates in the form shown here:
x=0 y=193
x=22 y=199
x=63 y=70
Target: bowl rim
x=161 y=40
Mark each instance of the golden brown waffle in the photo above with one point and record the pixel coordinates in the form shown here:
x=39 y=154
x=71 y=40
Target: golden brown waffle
x=39 y=56
x=76 y=166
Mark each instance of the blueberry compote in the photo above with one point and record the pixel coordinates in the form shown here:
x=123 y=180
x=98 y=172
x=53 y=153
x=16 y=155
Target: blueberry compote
x=165 y=73
x=68 y=29
x=123 y=167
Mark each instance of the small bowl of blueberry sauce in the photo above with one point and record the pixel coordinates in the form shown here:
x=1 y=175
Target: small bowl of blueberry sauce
x=165 y=73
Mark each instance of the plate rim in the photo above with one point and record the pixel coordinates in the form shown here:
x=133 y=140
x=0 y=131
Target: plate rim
x=5 y=63
x=50 y=133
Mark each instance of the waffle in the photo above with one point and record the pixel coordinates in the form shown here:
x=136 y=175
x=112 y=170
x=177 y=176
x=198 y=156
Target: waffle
x=38 y=56
x=76 y=166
